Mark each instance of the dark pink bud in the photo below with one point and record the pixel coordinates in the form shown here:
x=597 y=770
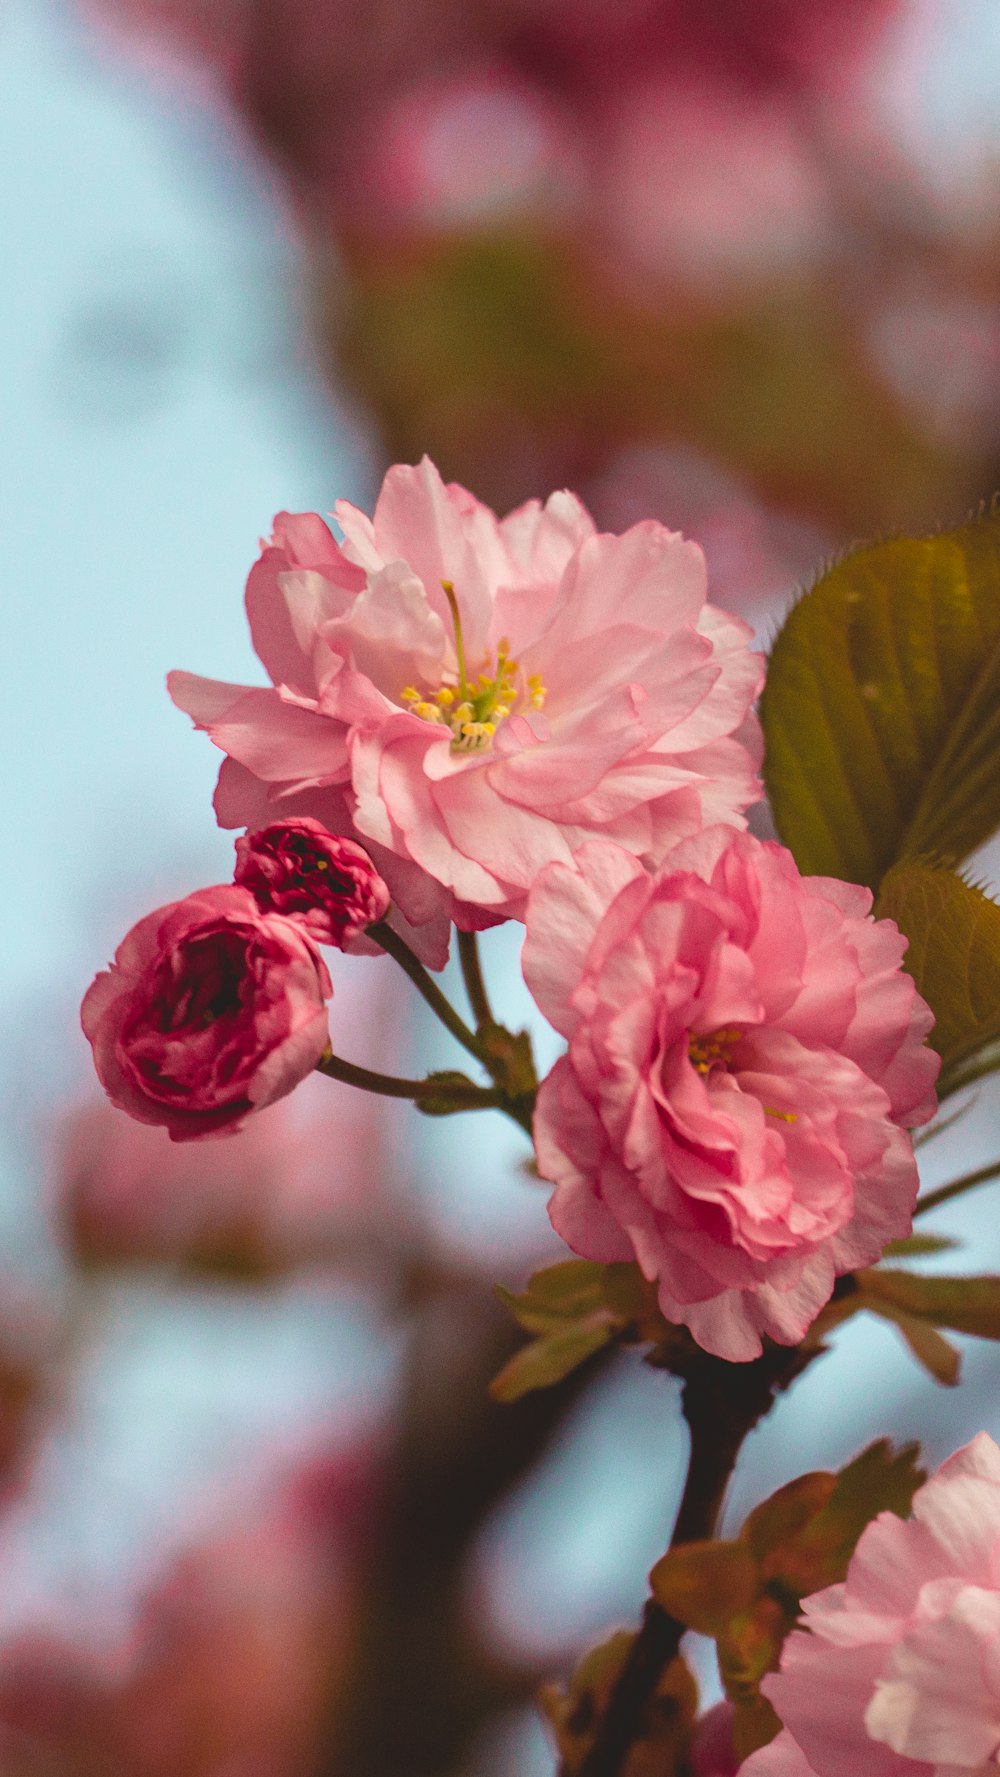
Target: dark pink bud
x=326 y=884
x=712 y=1753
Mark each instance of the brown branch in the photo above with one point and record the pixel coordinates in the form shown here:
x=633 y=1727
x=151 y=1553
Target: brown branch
x=472 y=975
x=722 y=1403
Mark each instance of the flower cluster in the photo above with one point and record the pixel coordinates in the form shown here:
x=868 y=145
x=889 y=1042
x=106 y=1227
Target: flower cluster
x=523 y=718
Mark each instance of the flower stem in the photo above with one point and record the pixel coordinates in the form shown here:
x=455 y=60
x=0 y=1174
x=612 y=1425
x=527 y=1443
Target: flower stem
x=391 y=1086
x=400 y=951
x=472 y=975
x=439 y=1095
x=957 y=1188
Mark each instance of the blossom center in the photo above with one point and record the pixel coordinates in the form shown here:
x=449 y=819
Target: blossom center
x=716 y=1050
x=474 y=707
x=713 y=1050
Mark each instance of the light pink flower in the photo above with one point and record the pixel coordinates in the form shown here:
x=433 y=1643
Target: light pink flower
x=745 y=1053
x=474 y=698
x=329 y=885
x=210 y=1010
x=899 y=1675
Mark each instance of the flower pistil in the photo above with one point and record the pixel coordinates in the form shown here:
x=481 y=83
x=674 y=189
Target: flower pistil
x=473 y=709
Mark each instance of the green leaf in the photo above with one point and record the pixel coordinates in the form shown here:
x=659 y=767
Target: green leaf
x=918 y=1246
x=558 y=1294
x=930 y=1348
x=953 y=953
x=962 y=1304
x=706 y=1584
x=780 y=1519
x=881 y=710
x=549 y=1360
x=881 y=1479
x=574 y=1309
x=564 y=1307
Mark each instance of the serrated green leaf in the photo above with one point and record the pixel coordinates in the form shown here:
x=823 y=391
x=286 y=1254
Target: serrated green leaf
x=881 y=710
x=881 y=1479
x=704 y=1585
x=550 y=1359
x=781 y=1518
x=953 y=953
x=962 y=1304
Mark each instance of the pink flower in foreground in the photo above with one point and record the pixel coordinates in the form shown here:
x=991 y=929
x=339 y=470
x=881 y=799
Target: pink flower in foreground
x=328 y=885
x=210 y=1010
x=899 y=1675
x=475 y=698
x=744 y=1054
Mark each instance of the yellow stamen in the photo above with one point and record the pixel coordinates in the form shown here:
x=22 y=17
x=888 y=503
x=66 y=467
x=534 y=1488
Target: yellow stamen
x=784 y=1116
x=536 y=691
x=712 y=1049
x=474 y=706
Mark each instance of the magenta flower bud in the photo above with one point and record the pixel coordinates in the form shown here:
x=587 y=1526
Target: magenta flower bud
x=326 y=884
x=211 y=1010
x=712 y=1752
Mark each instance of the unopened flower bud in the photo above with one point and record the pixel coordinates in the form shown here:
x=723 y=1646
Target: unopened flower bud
x=211 y=1010
x=327 y=884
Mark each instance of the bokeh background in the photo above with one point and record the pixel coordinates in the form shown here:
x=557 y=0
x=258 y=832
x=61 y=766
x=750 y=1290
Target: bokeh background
x=735 y=266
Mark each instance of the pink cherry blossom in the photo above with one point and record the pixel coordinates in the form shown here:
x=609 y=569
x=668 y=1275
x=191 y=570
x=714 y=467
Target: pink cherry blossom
x=745 y=1053
x=210 y=1010
x=475 y=698
x=899 y=1673
x=329 y=885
